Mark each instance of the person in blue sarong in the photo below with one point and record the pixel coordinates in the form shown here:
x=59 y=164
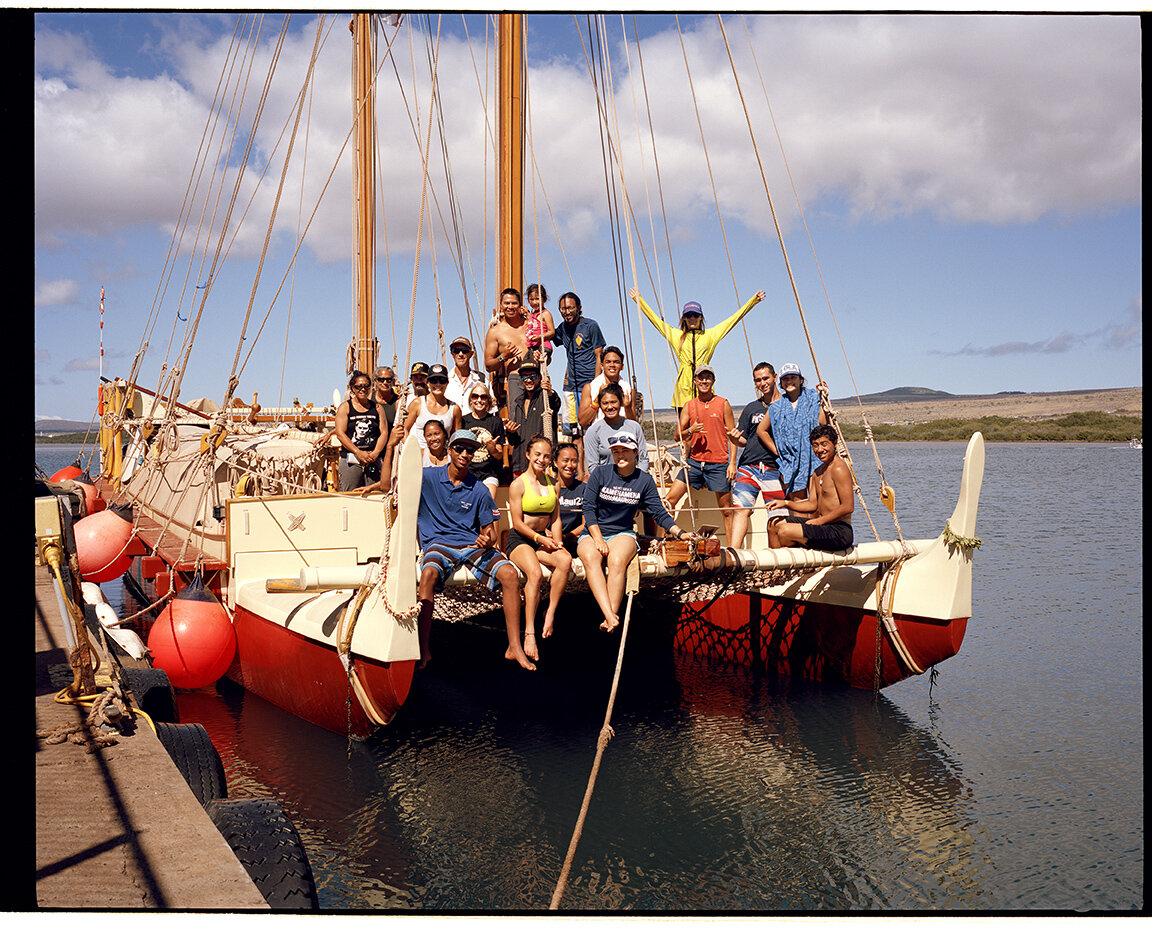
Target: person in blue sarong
x=785 y=427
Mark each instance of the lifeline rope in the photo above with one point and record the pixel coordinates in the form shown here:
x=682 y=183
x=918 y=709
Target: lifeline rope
x=606 y=733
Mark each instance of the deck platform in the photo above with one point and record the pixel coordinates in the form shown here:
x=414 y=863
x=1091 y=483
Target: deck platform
x=119 y=828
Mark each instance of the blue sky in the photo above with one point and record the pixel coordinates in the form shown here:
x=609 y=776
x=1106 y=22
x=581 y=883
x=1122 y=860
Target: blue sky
x=971 y=186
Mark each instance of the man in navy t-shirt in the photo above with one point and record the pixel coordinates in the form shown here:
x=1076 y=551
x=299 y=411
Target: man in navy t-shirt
x=757 y=472
x=583 y=344
x=457 y=526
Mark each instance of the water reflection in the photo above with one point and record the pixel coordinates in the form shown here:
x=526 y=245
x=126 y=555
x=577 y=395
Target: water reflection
x=722 y=790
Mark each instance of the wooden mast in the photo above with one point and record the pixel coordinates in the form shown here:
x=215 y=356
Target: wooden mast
x=510 y=247
x=365 y=117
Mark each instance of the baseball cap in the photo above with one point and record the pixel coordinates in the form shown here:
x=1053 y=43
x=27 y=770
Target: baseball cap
x=623 y=438
x=464 y=437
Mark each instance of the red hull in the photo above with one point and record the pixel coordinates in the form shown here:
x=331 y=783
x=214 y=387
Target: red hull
x=308 y=680
x=811 y=640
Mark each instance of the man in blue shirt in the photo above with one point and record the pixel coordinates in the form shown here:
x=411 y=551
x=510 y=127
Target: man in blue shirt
x=457 y=526
x=583 y=345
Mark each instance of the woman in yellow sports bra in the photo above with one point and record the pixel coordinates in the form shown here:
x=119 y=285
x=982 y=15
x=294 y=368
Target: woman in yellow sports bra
x=534 y=538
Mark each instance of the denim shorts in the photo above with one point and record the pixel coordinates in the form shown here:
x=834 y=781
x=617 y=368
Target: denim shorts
x=756 y=479
x=712 y=474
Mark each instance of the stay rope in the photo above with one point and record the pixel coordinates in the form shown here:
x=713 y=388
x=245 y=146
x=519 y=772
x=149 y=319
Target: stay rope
x=606 y=733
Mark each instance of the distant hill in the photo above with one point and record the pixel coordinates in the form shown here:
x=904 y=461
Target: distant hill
x=46 y=427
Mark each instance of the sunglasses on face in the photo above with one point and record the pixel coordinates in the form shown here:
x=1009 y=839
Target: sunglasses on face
x=478 y=397
x=461 y=447
x=460 y=351
x=385 y=380
x=361 y=386
x=437 y=380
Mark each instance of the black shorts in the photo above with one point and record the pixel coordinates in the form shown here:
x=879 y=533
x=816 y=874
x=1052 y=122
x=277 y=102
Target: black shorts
x=827 y=537
x=515 y=539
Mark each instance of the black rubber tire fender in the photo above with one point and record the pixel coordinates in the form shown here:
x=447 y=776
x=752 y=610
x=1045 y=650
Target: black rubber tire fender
x=152 y=691
x=266 y=842
x=192 y=751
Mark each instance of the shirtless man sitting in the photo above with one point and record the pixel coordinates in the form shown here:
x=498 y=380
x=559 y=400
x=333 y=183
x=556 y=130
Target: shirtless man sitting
x=829 y=497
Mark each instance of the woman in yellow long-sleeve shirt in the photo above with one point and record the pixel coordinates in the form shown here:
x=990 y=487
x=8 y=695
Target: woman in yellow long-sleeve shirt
x=692 y=343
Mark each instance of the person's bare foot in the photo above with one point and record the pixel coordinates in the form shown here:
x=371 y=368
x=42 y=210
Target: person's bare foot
x=547 y=630
x=520 y=659
x=425 y=660
x=609 y=624
x=530 y=649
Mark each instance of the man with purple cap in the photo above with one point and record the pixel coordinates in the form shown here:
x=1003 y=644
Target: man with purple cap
x=692 y=343
x=457 y=526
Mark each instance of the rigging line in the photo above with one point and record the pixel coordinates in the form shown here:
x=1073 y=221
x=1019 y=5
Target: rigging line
x=223 y=84
x=177 y=375
x=301 y=99
x=884 y=488
x=841 y=447
x=712 y=180
x=311 y=90
x=600 y=111
x=656 y=165
x=457 y=239
x=234 y=378
x=610 y=113
x=189 y=193
x=423 y=192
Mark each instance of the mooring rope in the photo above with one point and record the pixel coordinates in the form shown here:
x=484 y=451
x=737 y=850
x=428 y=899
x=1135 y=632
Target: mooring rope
x=606 y=733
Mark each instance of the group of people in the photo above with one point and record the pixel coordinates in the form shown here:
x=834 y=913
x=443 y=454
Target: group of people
x=579 y=498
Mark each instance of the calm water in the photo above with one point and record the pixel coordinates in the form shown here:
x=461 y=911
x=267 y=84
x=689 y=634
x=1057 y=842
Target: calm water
x=1013 y=783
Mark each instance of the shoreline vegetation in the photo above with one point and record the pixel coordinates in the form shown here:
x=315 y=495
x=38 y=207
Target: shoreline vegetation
x=1082 y=426
x=921 y=415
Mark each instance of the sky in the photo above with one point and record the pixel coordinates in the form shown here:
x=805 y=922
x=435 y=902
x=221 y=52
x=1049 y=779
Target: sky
x=959 y=198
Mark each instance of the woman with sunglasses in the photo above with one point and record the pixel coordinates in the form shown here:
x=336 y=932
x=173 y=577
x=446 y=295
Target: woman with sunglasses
x=612 y=496
x=535 y=539
x=692 y=343
x=487 y=427
x=435 y=406
x=362 y=428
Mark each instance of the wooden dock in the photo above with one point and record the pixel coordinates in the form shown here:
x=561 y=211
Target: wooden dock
x=119 y=828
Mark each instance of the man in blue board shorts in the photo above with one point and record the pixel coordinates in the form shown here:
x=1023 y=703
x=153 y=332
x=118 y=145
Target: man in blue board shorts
x=456 y=526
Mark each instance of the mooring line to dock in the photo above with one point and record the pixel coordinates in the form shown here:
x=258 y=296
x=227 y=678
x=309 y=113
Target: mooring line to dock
x=632 y=586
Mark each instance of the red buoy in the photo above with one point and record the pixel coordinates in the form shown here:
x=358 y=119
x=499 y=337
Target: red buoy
x=102 y=544
x=69 y=471
x=92 y=500
x=192 y=640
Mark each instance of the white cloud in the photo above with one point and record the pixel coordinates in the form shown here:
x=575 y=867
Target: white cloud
x=993 y=119
x=56 y=292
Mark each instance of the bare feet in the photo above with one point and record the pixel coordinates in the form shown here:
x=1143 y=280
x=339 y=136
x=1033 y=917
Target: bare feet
x=530 y=649
x=609 y=624
x=425 y=660
x=520 y=659
x=547 y=632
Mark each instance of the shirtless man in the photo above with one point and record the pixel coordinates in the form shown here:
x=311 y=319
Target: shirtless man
x=829 y=498
x=505 y=346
